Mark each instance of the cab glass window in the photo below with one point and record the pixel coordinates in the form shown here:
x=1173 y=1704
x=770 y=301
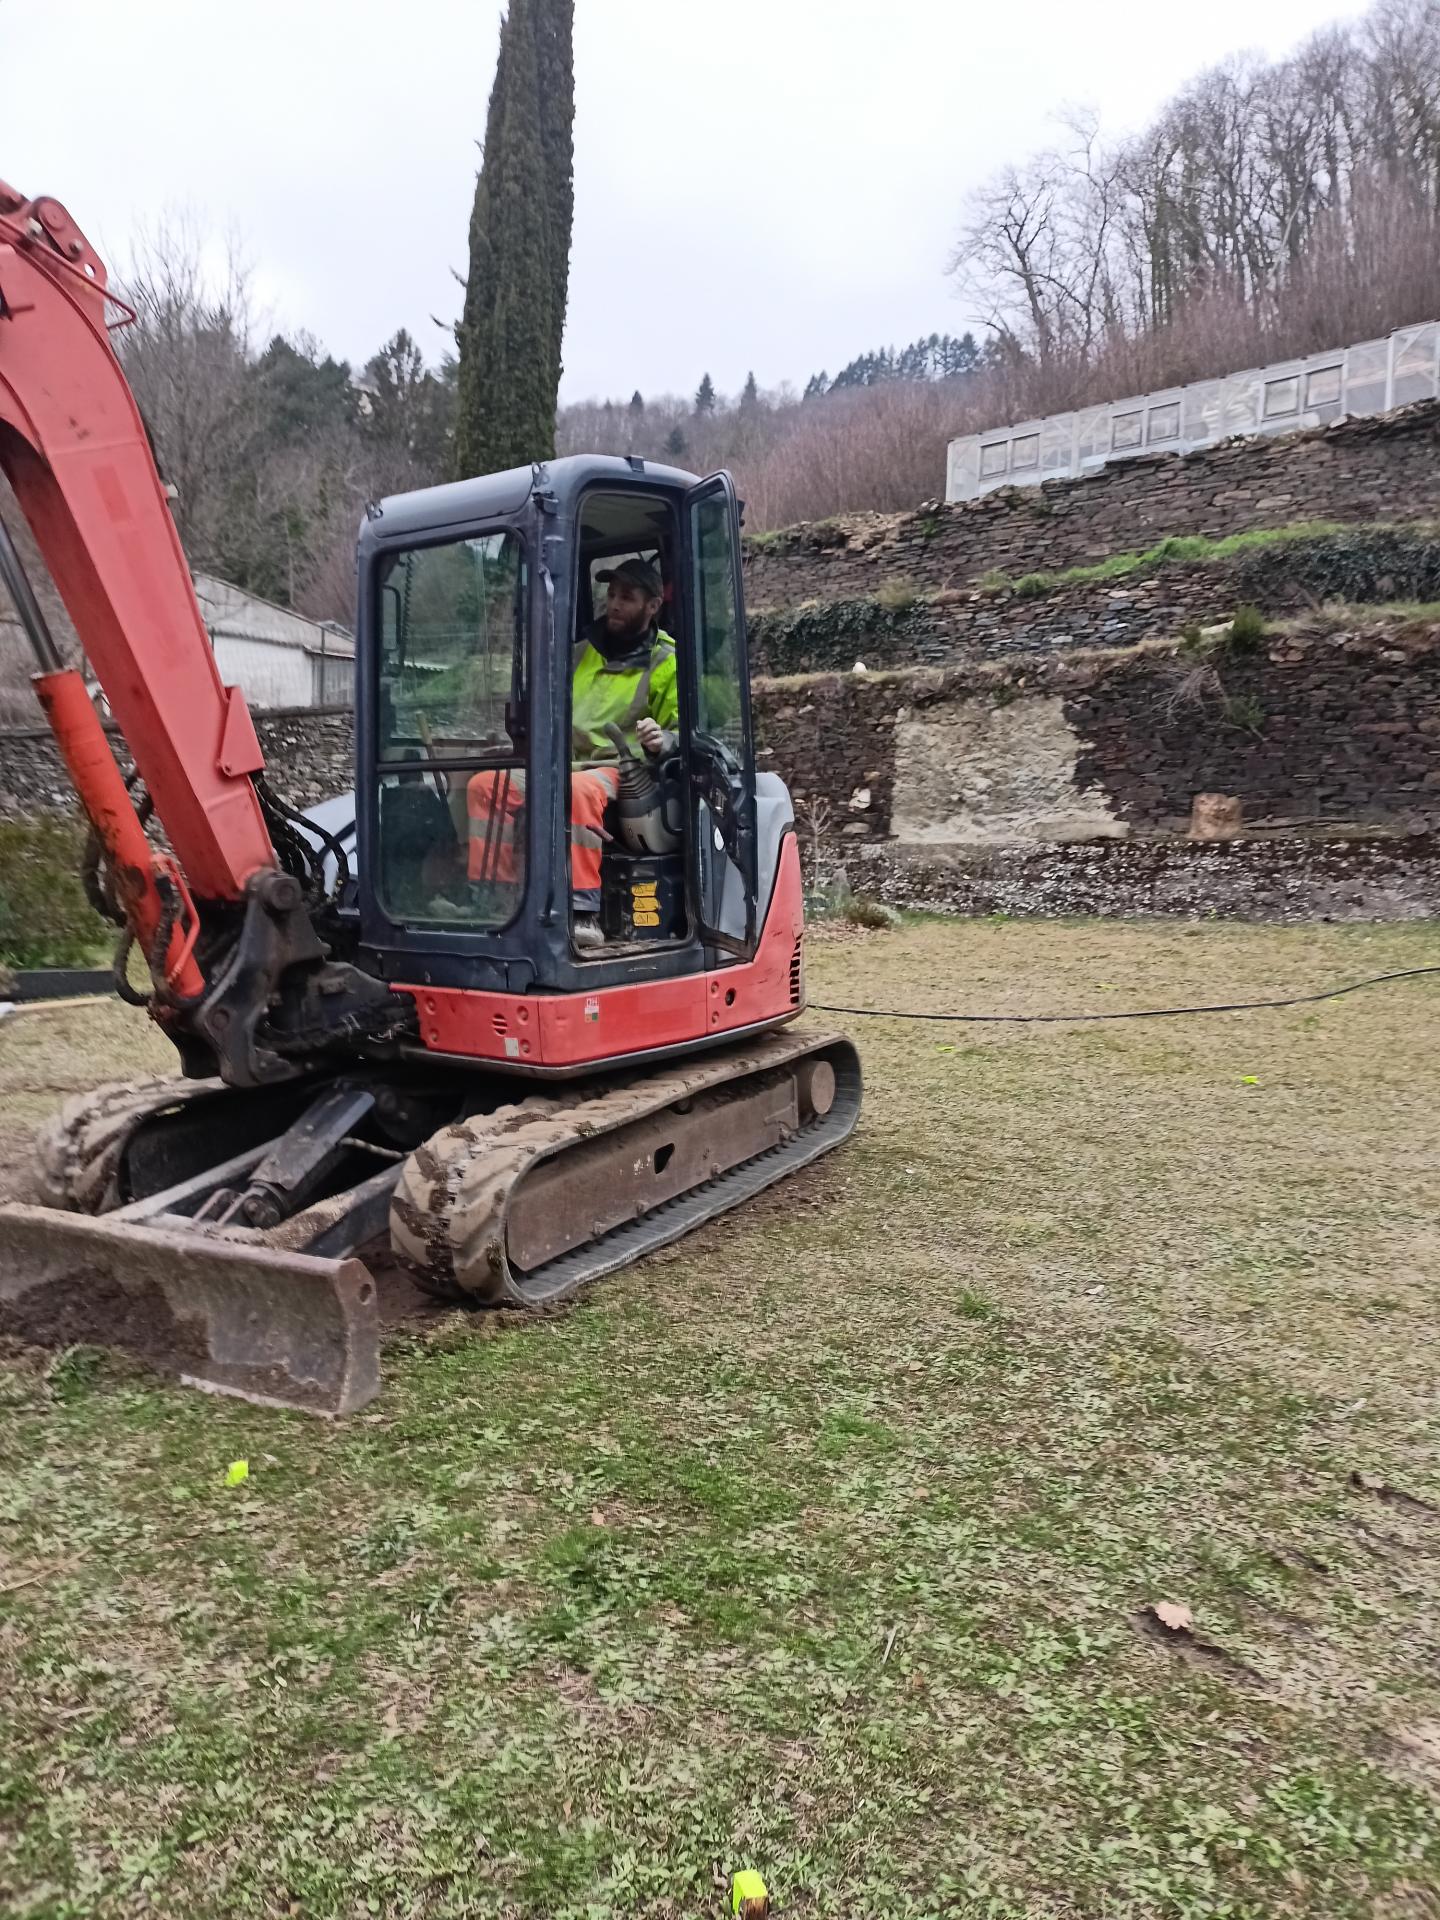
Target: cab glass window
x=451 y=717
x=721 y=638
x=452 y=625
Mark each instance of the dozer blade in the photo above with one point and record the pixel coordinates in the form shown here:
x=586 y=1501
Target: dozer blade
x=276 y=1328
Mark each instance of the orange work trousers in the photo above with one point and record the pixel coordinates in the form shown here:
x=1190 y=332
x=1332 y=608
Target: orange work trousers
x=495 y=802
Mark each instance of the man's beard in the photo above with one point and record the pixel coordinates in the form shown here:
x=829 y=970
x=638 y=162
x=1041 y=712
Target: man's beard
x=628 y=635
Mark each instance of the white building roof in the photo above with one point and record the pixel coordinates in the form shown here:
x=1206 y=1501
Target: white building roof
x=231 y=613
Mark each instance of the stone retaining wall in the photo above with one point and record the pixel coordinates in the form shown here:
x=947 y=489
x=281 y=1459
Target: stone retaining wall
x=1382 y=468
x=1394 y=877
x=1312 y=727
x=310 y=751
x=1359 y=566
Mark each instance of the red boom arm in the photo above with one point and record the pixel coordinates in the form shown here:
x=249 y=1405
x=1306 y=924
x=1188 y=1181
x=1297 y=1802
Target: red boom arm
x=75 y=450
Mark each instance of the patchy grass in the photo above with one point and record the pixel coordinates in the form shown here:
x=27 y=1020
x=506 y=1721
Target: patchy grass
x=822 y=1542
x=1178 y=549
x=1342 y=613
x=897 y=597
x=51 y=1049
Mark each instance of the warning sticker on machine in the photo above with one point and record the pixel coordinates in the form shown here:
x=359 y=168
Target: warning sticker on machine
x=592 y=1009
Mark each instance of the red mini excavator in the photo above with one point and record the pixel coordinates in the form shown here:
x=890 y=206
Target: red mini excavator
x=392 y=1046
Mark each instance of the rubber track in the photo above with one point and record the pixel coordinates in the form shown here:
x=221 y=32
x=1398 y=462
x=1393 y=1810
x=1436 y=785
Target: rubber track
x=447 y=1219
x=78 y=1152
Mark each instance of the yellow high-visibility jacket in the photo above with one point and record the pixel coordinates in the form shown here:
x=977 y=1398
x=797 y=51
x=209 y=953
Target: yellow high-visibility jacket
x=621 y=692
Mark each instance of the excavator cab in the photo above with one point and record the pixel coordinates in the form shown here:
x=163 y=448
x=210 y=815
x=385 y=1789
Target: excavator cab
x=474 y=601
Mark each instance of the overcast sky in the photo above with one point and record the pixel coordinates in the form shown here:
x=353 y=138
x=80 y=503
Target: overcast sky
x=759 y=183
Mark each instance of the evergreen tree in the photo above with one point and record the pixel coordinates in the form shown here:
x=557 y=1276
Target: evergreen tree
x=705 y=396
x=302 y=395
x=637 y=405
x=409 y=407
x=675 y=444
x=940 y=357
x=514 y=316
x=962 y=357
x=816 y=385
x=750 y=396
x=555 y=60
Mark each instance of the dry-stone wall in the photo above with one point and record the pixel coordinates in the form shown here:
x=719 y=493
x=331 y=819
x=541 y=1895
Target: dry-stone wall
x=1357 y=566
x=1312 y=728
x=310 y=751
x=1063 y=785
x=1380 y=469
x=1390 y=877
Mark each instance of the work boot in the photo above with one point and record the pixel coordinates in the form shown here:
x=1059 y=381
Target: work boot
x=587 y=933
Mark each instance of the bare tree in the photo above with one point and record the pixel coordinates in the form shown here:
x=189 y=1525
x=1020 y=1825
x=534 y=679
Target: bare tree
x=1268 y=209
x=187 y=359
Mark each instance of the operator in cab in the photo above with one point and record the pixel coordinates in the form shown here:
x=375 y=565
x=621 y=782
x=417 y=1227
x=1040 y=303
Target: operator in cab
x=624 y=676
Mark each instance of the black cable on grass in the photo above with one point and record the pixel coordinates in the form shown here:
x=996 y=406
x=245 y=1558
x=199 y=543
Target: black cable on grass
x=1131 y=1013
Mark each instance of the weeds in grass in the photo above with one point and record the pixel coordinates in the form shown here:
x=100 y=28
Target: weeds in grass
x=860 y=911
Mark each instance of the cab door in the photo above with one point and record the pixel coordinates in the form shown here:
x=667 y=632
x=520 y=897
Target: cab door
x=719 y=747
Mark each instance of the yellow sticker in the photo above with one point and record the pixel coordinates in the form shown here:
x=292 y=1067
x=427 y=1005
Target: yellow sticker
x=647 y=919
x=746 y=1886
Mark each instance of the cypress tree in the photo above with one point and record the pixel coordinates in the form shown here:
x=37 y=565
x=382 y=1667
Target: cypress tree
x=555 y=61
x=514 y=316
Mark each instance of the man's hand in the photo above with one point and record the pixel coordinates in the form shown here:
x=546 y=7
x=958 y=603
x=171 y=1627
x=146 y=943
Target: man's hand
x=650 y=736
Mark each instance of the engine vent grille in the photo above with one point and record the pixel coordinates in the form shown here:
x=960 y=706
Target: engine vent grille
x=797 y=971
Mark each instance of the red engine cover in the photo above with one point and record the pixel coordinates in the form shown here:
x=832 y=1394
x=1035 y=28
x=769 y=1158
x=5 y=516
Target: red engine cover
x=560 y=1030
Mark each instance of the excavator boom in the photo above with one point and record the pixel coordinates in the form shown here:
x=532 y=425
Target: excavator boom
x=76 y=453
x=216 y=918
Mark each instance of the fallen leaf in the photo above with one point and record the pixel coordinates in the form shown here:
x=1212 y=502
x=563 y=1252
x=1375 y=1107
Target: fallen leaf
x=1174 y=1614
x=1249 y=1079
x=237 y=1471
x=597 y=1517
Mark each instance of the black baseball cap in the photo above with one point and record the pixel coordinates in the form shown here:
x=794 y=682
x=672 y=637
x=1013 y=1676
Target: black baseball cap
x=639 y=574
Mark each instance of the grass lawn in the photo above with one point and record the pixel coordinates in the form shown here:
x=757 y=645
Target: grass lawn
x=823 y=1543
